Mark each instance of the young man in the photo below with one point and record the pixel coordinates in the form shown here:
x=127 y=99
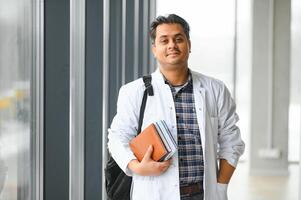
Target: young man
x=199 y=112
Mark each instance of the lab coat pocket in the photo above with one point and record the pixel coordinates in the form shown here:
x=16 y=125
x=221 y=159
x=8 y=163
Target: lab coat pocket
x=222 y=191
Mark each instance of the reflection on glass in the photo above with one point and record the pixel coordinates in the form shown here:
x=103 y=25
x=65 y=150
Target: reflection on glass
x=16 y=61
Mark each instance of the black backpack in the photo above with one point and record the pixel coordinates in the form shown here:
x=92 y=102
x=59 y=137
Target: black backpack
x=118 y=184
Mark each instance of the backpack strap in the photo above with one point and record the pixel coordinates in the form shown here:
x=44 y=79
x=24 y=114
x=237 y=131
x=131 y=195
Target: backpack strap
x=148 y=84
x=148 y=91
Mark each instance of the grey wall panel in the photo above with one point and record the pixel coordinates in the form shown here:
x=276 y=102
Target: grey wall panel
x=152 y=14
x=282 y=78
x=270 y=87
x=141 y=67
x=130 y=56
x=93 y=100
x=56 y=101
x=115 y=55
x=128 y=36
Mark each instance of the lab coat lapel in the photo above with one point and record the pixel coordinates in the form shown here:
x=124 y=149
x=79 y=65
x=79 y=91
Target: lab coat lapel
x=200 y=108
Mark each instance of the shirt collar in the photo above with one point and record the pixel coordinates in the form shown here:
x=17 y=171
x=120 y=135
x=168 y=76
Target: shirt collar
x=189 y=81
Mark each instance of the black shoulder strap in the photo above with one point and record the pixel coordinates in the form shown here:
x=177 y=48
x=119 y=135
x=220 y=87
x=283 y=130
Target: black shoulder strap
x=148 y=91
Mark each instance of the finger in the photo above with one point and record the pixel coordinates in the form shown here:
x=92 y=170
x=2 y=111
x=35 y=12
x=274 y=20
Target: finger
x=148 y=153
x=164 y=165
x=167 y=162
x=163 y=168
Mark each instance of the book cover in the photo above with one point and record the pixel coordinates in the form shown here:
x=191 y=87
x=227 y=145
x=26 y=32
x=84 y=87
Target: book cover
x=163 y=143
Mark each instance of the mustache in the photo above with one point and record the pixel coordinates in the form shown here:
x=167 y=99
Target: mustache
x=173 y=51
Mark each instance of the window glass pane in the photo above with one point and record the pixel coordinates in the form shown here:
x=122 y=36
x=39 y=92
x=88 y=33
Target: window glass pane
x=295 y=88
x=243 y=70
x=213 y=39
x=16 y=63
x=212 y=34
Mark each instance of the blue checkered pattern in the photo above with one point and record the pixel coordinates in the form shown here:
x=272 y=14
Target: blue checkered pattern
x=191 y=164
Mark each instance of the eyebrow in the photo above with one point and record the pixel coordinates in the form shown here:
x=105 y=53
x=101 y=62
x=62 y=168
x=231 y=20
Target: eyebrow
x=176 y=35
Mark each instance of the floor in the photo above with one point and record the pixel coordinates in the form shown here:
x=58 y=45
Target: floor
x=246 y=187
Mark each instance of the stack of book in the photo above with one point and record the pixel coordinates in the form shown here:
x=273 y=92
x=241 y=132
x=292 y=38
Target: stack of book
x=159 y=136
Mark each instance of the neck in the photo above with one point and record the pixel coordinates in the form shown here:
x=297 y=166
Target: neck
x=175 y=76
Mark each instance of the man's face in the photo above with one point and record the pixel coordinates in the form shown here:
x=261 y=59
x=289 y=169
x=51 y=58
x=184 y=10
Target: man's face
x=171 y=46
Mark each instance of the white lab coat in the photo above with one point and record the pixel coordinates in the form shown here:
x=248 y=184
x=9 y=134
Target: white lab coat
x=216 y=117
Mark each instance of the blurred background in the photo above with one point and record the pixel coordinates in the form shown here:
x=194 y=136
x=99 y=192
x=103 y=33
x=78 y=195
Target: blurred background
x=63 y=61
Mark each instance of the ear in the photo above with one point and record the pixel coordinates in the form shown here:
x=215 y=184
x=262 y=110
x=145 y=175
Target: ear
x=189 y=46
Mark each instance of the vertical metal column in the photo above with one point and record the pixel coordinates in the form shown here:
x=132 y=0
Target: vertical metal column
x=38 y=101
x=105 y=105
x=77 y=100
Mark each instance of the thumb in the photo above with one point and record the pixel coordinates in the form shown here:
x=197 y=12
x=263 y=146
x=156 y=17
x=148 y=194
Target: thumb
x=148 y=153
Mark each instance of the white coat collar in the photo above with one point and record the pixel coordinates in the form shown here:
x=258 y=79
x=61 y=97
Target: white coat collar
x=158 y=76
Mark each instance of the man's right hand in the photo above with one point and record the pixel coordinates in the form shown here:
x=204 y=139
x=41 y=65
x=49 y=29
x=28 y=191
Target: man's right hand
x=147 y=166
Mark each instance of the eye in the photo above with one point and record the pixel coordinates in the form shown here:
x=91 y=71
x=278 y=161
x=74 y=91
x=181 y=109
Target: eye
x=179 y=39
x=164 y=41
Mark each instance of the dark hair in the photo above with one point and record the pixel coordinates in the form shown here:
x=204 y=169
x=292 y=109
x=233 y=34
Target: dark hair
x=169 y=19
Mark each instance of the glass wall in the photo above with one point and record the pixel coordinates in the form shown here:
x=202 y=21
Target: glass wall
x=221 y=46
x=295 y=88
x=17 y=138
x=212 y=33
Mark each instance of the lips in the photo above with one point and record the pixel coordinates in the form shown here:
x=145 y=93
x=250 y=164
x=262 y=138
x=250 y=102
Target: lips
x=173 y=53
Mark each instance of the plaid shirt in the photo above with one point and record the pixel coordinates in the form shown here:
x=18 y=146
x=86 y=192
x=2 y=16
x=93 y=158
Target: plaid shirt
x=191 y=164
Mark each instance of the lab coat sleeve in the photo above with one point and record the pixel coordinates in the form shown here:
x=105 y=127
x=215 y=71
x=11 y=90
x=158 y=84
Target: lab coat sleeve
x=231 y=146
x=123 y=129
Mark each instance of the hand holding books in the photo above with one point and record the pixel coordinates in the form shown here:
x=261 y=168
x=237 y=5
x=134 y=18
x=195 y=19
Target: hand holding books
x=153 y=147
x=147 y=166
x=158 y=135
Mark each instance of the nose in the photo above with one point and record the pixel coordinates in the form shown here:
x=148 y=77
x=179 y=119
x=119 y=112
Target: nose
x=172 y=44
